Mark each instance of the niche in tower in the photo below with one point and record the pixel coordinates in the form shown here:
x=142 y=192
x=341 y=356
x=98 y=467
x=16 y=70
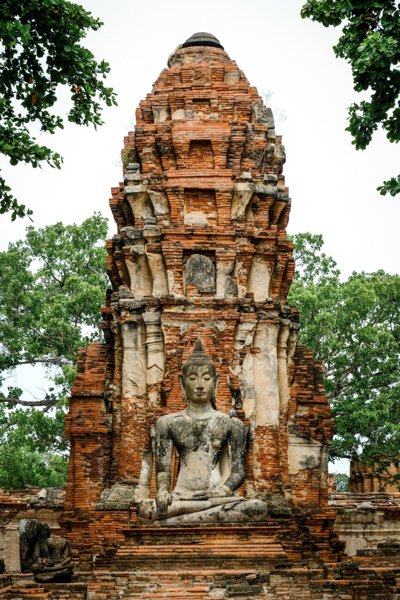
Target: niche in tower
x=200 y=208
x=201 y=154
x=199 y=273
x=201 y=106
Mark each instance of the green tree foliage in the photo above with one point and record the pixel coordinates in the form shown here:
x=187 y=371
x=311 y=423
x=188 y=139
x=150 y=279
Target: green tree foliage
x=370 y=42
x=353 y=326
x=52 y=286
x=40 y=54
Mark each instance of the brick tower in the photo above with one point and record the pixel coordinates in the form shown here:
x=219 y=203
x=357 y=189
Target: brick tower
x=201 y=251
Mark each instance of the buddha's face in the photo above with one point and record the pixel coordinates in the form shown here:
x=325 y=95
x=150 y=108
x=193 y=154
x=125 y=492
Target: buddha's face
x=199 y=383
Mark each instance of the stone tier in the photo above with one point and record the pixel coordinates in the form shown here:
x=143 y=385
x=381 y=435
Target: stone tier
x=115 y=539
x=201 y=546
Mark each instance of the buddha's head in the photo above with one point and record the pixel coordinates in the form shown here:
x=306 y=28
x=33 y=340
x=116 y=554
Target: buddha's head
x=199 y=379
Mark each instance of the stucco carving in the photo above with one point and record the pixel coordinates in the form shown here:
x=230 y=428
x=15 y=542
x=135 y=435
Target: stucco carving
x=200 y=271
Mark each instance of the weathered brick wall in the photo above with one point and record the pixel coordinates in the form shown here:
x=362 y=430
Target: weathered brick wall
x=88 y=426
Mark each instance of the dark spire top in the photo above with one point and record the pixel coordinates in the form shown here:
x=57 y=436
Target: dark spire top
x=198 y=347
x=202 y=39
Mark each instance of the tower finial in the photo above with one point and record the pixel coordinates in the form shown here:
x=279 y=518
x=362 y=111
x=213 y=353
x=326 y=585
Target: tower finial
x=202 y=39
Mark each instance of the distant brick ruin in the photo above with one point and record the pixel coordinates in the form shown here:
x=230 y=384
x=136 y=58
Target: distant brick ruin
x=201 y=253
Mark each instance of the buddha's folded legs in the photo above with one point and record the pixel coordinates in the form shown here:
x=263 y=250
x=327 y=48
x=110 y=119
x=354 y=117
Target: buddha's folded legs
x=231 y=509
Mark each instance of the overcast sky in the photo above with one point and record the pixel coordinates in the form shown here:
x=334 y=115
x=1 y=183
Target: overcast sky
x=333 y=186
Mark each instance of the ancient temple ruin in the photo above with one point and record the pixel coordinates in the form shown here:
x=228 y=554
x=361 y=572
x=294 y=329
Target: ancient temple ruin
x=201 y=252
x=232 y=500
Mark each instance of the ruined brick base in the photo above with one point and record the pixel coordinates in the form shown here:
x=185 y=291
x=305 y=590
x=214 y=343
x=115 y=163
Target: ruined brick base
x=345 y=582
x=297 y=556
x=288 y=558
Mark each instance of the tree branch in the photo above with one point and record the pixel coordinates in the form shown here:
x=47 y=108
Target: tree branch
x=61 y=282
x=48 y=338
x=56 y=361
x=30 y=403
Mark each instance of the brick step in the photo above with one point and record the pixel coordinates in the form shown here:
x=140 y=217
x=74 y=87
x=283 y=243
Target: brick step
x=162 y=590
x=172 y=592
x=52 y=591
x=182 y=595
x=180 y=585
x=25 y=593
x=263 y=532
x=159 y=574
x=222 y=549
x=177 y=587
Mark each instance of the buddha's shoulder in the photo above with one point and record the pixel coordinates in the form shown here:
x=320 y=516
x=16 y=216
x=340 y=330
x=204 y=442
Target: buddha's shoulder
x=171 y=418
x=222 y=417
x=232 y=422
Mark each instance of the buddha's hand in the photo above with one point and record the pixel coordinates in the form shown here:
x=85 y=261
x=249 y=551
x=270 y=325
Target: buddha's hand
x=220 y=491
x=163 y=500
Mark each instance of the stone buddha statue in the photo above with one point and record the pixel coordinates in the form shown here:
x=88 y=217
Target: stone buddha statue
x=211 y=447
x=47 y=556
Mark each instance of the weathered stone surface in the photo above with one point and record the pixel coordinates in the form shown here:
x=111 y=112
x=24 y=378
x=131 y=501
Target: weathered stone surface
x=367 y=520
x=47 y=557
x=373 y=478
x=212 y=451
x=119 y=497
x=200 y=272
